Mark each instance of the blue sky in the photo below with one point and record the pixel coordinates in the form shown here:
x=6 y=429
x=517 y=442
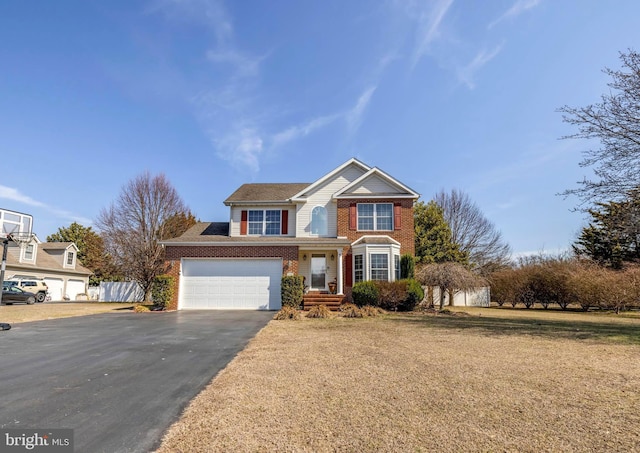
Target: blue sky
x=441 y=94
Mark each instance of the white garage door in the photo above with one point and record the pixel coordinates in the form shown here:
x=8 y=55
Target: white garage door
x=75 y=287
x=55 y=285
x=251 y=284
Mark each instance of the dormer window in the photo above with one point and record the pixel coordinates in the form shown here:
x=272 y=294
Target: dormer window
x=28 y=252
x=70 y=258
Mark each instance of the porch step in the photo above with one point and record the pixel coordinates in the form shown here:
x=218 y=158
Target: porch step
x=331 y=301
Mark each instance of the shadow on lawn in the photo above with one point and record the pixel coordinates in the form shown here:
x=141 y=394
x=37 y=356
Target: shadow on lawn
x=576 y=330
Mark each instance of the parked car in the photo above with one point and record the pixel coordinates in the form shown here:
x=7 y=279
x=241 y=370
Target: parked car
x=12 y=294
x=32 y=285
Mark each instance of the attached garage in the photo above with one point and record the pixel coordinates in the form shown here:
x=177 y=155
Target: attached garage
x=231 y=284
x=75 y=287
x=56 y=287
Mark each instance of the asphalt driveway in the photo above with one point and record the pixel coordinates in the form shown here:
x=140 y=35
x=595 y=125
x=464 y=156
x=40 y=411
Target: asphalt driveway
x=118 y=380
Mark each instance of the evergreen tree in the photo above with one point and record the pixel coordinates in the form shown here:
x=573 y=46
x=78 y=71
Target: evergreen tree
x=434 y=243
x=613 y=235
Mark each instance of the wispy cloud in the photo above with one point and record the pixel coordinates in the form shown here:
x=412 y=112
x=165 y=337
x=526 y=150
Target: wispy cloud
x=428 y=28
x=518 y=8
x=354 y=116
x=14 y=195
x=207 y=13
x=299 y=131
x=467 y=74
x=9 y=193
x=241 y=148
x=245 y=65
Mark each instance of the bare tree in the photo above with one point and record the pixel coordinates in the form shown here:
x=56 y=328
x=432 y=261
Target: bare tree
x=132 y=226
x=449 y=277
x=477 y=236
x=615 y=123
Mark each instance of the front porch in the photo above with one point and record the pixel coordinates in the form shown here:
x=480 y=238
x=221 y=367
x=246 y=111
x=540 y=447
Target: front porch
x=322 y=269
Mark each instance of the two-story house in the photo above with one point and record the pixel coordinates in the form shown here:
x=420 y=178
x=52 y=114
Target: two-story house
x=352 y=224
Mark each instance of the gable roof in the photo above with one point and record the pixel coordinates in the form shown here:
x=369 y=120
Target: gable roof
x=395 y=187
x=353 y=161
x=265 y=192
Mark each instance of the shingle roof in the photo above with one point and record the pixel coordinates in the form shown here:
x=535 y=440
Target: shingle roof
x=203 y=232
x=55 y=245
x=265 y=192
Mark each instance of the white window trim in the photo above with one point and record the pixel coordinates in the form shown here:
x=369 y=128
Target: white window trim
x=375 y=216
x=326 y=221
x=33 y=253
x=264 y=222
x=362 y=269
x=66 y=259
x=371 y=269
x=366 y=250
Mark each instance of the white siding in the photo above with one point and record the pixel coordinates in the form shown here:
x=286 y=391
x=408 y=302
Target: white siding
x=236 y=217
x=321 y=196
x=375 y=184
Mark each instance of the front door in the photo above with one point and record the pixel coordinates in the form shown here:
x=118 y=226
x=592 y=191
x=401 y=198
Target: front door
x=318 y=272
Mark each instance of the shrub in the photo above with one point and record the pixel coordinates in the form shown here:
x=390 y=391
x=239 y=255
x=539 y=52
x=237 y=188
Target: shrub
x=350 y=311
x=292 y=290
x=287 y=313
x=369 y=311
x=407 y=266
x=414 y=295
x=365 y=293
x=162 y=291
x=319 y=311
x=141 y=308
x=391 y=294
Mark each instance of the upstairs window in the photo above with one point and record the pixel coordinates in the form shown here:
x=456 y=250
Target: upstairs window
x=375 y=216
x=28 y=252
x=267 y=222
x=255 y=222
x=319 y=221
x=70 y=256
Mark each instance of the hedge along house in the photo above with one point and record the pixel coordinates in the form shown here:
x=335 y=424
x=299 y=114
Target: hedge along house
x=352 y=224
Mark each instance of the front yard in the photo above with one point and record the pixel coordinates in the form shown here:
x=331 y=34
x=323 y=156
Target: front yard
x=17 y=313
x=493 y=380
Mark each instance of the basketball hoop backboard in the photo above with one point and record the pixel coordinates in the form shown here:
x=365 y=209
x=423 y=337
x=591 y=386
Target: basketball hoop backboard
x=16 y=223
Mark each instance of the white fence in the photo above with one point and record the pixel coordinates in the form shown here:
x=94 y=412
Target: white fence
x=478 y=297
x=120 y=292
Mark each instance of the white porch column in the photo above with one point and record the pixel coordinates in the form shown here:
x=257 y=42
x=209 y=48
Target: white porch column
x=340 y=289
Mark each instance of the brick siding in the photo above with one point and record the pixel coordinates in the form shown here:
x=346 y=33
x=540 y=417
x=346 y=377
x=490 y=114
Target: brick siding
x=405 y=235
x=173 y=255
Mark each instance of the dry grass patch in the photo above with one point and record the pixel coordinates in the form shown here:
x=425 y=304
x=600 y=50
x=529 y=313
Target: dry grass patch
x=50 y=310
x=421 y=383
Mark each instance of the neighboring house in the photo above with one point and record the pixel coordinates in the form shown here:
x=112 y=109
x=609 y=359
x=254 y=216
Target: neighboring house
x=54 y=262
x=352 y=224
